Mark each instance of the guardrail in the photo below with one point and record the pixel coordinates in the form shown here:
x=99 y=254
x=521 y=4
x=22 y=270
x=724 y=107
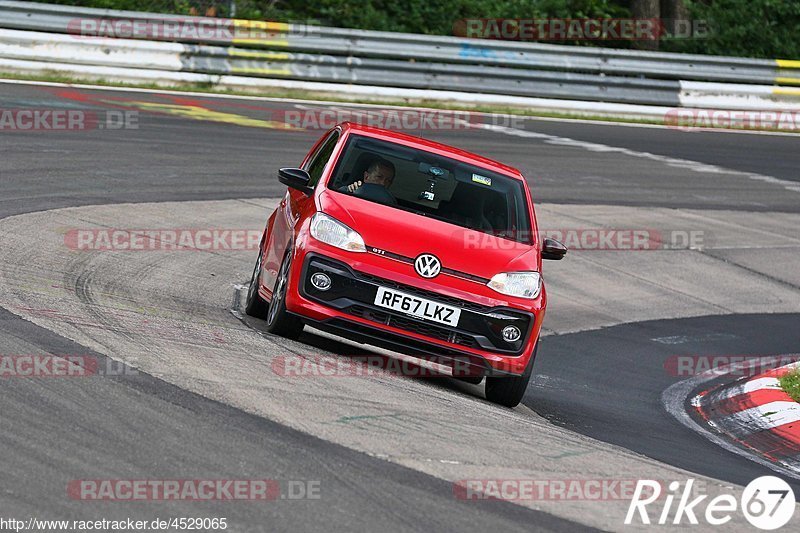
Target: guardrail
x=57 y=34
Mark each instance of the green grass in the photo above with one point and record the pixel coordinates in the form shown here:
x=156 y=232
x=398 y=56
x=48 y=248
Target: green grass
x=337 y=97
x=791 y=384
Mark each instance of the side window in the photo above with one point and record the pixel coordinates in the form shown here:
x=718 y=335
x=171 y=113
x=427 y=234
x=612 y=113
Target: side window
x=318 y=161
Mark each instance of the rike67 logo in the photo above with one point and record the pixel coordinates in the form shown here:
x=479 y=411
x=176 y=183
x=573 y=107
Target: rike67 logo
x=767 y=503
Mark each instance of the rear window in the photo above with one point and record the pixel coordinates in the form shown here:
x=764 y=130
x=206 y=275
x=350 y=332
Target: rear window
x=433 y=186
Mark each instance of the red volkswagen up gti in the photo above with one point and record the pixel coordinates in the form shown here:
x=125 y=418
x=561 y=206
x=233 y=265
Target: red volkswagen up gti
x=411 y=245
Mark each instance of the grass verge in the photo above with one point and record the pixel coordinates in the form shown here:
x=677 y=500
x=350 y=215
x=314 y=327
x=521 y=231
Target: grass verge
x=338 y=97
x=790 y=383
x=326 y=96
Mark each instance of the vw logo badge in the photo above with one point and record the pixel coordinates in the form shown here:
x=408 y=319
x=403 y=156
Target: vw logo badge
x=427 y=265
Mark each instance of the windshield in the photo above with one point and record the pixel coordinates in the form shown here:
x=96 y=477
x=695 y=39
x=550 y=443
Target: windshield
x=433 y=186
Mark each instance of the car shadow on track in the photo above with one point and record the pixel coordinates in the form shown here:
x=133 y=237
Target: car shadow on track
x=361 y=359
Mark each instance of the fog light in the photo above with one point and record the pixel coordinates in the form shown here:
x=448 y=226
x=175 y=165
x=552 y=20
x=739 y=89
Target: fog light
x=511 y=333
x=321 y=281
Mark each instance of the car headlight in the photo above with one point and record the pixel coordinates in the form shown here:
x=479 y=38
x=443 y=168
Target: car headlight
x=330 y=231
x=520 y=284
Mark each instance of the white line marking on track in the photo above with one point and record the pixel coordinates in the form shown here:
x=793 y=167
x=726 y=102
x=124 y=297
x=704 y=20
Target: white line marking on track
x=683 y=339
x=674 y=162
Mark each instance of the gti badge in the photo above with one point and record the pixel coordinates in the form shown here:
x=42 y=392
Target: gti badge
x=427 y=265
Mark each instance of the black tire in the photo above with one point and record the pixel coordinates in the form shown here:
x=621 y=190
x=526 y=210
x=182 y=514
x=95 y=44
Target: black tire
x=279 y=321
x=255 y=304
x=508 y=391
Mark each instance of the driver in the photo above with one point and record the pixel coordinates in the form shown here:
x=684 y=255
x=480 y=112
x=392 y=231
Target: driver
x=375 y=184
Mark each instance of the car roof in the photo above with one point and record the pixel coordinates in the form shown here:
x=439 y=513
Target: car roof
x=433 y=146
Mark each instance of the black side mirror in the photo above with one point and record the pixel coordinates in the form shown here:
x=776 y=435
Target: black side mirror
x=296 y=178
x=553 y=249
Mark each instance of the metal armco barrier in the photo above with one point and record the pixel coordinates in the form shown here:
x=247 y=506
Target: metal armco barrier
x=253 y=49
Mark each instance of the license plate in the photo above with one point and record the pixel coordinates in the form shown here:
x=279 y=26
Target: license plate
x=417 y=307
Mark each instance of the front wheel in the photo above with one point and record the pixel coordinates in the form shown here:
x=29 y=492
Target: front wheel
x=508 y=391
x=279 y=321
x=255 y=304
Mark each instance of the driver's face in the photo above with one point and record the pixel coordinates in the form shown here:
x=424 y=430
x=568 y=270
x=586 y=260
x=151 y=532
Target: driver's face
x=380 y=176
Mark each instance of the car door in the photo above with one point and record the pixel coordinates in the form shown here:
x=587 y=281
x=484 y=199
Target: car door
x=294 y=205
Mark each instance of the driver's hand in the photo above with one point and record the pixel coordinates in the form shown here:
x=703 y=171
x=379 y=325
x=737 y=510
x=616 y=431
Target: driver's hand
x=353 y=186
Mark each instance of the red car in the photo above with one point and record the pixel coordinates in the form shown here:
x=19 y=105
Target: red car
x=411 y=245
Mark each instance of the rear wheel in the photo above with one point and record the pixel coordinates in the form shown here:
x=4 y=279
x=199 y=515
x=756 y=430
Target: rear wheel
x=279 y=321
x=508 y=391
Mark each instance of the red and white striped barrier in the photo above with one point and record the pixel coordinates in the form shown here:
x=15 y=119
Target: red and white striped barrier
x=757 y=414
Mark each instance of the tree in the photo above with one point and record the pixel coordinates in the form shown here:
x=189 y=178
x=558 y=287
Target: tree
x=676 y=15
x=646 y=9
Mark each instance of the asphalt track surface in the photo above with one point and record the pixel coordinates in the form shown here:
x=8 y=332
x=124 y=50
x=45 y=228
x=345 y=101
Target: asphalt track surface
x=614 y=377
x=139 y=427
x=605 y=383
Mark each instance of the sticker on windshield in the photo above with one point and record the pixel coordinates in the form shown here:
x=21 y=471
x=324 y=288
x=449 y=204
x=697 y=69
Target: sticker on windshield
x=483 y=180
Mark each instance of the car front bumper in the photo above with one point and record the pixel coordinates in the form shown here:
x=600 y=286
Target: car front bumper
x=474 y=347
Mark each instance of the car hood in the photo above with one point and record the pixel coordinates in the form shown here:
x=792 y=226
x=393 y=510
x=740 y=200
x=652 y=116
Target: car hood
x=408 y=234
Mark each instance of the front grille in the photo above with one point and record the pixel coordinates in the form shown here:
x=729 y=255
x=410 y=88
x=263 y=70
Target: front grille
x=457 y=302
x=354 y=293
x=413 y=326
x=369 y=314
x=402 y=344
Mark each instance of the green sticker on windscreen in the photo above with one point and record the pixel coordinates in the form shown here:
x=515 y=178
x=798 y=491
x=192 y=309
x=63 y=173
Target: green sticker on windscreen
x=483 y=180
